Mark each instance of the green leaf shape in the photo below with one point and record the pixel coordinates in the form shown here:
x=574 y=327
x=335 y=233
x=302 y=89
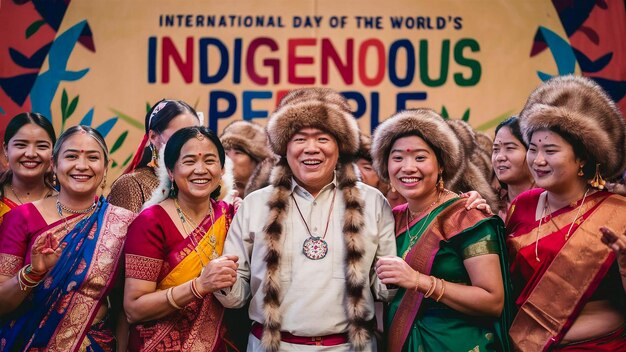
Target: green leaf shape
x=127 y=160
x=113 y=164
x=466 y=115
x=72 y=107
x=63 y=104
x=131 y=121
x=444 y=113
x=118 y=143
x=148 y=107
x=494 y=122
x=34 y=27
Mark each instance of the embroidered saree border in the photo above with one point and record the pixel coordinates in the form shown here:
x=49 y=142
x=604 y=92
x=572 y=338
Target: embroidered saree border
x=542 y=321
x=447 y=224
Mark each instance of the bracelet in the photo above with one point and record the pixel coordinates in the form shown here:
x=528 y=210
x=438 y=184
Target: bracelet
x=417 y=282
x=432 y=288
x=32 y=274
x=194 y=289
x=170 y=298
x=443 y=289
x=23 y=282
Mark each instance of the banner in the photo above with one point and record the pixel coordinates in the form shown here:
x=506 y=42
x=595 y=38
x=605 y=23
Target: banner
x=103 y=63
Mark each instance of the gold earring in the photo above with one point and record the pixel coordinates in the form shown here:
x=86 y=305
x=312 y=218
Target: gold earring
x=104 y=182
x=393 y=190
x=440 y=185
x=580 y=171
x=597 y=181
x=54 y=180
x=155 y=157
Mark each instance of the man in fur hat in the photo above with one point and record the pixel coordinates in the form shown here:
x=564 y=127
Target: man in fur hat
x=246 y=145
x=308 y=242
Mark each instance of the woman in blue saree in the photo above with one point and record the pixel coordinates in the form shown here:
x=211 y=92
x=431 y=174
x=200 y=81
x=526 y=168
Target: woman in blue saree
x=59 y=256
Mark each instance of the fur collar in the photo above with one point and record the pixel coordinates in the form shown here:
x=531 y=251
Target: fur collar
x=353 y=223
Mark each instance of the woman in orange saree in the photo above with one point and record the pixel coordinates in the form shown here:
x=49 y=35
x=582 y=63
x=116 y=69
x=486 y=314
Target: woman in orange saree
x=570 y=295
x=173 y=253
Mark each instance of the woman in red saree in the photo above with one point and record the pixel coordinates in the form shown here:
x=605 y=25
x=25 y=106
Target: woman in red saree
x=173 y=253
x=28 y=141
x=570 y=292
x=59 y=256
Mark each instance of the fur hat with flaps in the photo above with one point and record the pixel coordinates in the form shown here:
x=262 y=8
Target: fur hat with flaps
x=247 y=136
x=478 y=170
x=429 y=126
x=321 y=109
x=581 y=108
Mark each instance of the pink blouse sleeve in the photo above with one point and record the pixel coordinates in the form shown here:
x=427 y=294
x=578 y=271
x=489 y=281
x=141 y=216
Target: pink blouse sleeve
x=144 y=250
x=14 y=239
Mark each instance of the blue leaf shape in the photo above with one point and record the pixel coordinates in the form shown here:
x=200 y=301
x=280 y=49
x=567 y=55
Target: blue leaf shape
x=87 y=119
x=562 y=52
x=47 y=83
x=587 y=65
x=543 y=76
x=106 y=126
x=35 y=61
x=74 y=75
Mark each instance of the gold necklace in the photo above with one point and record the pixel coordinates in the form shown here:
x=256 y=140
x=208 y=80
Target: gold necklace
x=186 y=219
x=546 y=206
x=413 y=238
x=17 y=197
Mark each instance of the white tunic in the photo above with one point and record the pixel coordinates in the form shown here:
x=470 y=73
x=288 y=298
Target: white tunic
x=313 y=292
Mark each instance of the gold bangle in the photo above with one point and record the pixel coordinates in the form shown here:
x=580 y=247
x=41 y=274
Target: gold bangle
x=194 y=290
x=443 y=289
x=169 y=294
x=417 y=282
x=432 y=288
x=23 y=282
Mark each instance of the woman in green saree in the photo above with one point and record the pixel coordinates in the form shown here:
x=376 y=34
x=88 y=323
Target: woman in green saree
x=453 y=291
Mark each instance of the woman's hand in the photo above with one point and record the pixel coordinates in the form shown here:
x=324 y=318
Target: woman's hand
x=475 y=200
x=45 y=252
x=218 y=274
x=617 y=243
x=394 y=270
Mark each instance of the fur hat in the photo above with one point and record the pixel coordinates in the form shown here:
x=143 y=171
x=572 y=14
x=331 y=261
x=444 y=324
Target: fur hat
x=365 y=147
x=580 y=107
x=478 y=171
x=322 y=109
x=428 y=125
x=260 y=177
x=247 y=136
x=318 y=108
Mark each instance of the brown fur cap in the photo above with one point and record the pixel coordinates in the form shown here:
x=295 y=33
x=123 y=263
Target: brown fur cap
x=431 y=127
x=247 y=136
x=580 y=107
x=323 y=109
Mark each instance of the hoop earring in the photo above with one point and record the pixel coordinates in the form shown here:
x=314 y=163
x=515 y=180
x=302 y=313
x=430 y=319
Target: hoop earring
x=581 y=173
x=597 y=181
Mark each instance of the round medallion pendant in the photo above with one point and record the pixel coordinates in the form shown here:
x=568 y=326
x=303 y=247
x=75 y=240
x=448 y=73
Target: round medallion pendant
x=314 y=248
